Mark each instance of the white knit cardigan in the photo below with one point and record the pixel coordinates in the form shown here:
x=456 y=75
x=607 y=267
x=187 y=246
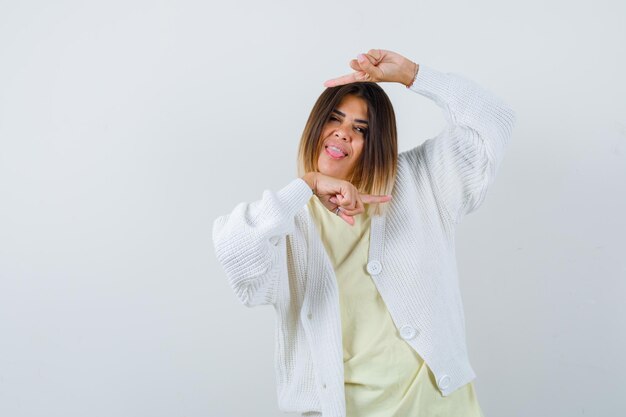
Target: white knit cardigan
x=272 y=253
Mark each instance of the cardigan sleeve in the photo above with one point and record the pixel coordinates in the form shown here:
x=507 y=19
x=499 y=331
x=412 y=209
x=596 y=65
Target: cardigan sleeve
x=250 y=242
x=463 y=159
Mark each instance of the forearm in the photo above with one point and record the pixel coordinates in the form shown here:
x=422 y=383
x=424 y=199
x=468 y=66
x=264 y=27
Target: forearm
x=249 y=241
x=466 y=103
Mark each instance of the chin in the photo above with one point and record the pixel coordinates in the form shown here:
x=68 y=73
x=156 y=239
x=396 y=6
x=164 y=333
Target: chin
x=329 y=171
x=329 y=168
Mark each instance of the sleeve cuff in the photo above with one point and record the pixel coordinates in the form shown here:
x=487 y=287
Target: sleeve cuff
x=295 y=195
x=431 y=82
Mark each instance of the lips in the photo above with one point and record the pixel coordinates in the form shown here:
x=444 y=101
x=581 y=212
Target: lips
x=334 y=154
x=339 y=146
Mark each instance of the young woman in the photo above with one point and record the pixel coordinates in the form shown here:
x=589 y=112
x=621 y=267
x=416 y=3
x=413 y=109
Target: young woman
x=357 y=254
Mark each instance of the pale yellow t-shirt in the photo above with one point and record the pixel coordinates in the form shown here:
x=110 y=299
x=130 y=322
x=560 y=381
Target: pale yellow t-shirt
x=384 y=376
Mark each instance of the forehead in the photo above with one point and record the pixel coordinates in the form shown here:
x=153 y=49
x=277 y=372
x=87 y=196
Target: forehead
x=353 y=105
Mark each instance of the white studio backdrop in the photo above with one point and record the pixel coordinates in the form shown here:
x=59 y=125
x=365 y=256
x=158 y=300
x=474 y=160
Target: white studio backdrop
x=126 y=127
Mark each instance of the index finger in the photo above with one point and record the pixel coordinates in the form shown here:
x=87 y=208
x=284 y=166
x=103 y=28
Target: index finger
x=344 y=79
x=367 y=198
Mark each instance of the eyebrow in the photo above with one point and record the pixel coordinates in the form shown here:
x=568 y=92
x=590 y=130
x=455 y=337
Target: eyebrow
x=356 y=120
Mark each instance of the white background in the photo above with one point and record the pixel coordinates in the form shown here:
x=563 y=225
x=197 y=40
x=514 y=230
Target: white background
x=126 y=127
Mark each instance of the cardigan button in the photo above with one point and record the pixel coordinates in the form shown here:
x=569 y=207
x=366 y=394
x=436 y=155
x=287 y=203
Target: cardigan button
x=444 y=381
x=374 y=267
x=408 y=332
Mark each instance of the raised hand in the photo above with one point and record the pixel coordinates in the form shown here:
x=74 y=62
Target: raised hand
x=378 y=65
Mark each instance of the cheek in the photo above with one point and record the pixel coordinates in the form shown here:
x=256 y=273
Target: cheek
x=358 y=149
x=326 y=131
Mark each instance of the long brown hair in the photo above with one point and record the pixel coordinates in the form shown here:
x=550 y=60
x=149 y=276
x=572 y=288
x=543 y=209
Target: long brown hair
x=376 y=168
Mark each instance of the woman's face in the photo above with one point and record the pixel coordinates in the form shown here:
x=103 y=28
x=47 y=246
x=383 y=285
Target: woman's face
x=343 y=138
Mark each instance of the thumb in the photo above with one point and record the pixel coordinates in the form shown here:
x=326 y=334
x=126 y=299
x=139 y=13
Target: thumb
x=365 y=63
x=369 y=70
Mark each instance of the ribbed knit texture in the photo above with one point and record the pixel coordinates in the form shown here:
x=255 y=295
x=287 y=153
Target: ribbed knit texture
x=272 y=254
x=384 y=376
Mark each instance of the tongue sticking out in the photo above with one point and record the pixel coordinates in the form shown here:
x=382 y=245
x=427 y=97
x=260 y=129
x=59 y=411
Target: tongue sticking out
x=335 y=153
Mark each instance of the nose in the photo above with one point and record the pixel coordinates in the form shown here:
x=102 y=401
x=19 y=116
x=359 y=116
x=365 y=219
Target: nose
x=340 y=134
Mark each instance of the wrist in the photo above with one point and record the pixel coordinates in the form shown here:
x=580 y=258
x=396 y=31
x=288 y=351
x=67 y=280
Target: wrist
x=410 y=72
x=311 y=179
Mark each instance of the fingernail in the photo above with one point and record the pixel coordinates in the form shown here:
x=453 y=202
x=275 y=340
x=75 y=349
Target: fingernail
x=360 y=57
